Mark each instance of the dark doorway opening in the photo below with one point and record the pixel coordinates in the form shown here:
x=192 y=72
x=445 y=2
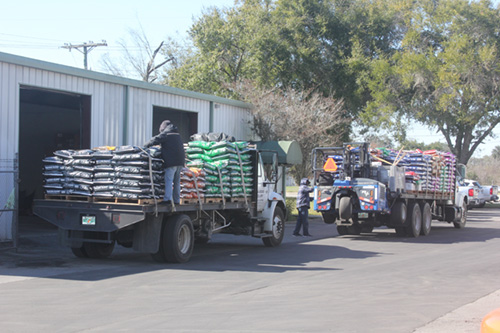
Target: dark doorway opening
x=48 y=121
x=186 y=122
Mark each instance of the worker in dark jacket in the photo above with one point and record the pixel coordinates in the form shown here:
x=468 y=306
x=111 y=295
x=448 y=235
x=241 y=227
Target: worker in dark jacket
x=303 y=204
x=174 y=157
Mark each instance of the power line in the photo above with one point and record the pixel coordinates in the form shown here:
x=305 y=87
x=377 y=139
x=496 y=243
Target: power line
x=87 y=47
x=30 y=37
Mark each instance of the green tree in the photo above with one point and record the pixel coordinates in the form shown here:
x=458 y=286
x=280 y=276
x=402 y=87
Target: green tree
x=300 y=44
x=227 y=45
x=445 y=74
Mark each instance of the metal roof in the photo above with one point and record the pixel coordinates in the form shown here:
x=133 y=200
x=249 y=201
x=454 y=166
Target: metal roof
x=44 y=65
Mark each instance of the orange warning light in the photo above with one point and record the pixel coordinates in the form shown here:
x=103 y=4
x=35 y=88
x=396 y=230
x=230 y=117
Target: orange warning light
x=330 y=165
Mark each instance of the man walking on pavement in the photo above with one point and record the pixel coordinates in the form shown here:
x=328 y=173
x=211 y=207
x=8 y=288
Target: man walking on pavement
x=303 y=204
x=174 y=157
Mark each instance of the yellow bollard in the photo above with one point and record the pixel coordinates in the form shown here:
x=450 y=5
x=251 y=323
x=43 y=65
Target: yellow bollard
x=491 y=322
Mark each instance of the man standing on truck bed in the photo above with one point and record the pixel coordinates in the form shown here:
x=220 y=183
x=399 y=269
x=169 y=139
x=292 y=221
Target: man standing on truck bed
x=172 y=151
x=303 y=204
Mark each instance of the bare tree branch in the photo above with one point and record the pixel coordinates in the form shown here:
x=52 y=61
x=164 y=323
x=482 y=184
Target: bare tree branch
x=304 y=116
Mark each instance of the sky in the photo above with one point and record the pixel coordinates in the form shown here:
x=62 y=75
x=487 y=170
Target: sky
x=38 y=29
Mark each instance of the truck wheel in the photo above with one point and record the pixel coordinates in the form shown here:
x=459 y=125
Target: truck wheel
x=354 y=229
x=415 y=226
x=401 y=231
x=177 y=239
x=345 y=208
x=463 y=217
x=398 y=214
x=426 y=218
x=278 y=229
x=98 y=250
x=367 y=229
x=342 y=230
x=79 y=252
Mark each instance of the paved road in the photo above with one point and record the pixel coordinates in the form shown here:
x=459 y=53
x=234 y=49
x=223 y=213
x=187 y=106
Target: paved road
x=376 y=282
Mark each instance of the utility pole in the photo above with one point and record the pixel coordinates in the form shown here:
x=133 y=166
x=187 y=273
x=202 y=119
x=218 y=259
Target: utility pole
x=87 y=47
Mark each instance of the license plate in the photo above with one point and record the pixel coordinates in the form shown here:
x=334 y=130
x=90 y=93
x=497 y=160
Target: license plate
x=362 y=215
x=88 y=220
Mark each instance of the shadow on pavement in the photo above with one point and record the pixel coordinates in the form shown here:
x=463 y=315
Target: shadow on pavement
x=40 y=256
x=476 y=230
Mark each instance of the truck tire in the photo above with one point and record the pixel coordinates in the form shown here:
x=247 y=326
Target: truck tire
x=366 y=229
x=415 y=216
x=342 y=230
x=398 y=214
x=463 y=218
x=79 y=252
x=401 y=231
x=345 y=208
x=278 y=229
x=426 y=218
x=98 y=250
x=177 y=239
x=354 y=229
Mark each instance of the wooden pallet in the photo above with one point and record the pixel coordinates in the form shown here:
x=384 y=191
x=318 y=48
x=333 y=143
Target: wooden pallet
x=125 y=201
x=69 y=197
x=190 y=201
x=214 y=200
x=238 y=199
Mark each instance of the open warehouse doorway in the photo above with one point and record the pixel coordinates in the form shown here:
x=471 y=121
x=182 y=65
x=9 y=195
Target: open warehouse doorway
x=186 y=122
x=48 y=121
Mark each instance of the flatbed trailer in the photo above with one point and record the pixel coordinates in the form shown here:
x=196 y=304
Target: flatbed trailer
x=91 y=226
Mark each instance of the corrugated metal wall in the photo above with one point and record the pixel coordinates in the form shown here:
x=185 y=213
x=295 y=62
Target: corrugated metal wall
x=226 y=118
x=9 y=104
x=141 y=111
x=236 y=124
x=121 y=109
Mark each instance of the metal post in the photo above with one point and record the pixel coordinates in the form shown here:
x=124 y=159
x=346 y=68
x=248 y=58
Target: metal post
x=15 y=217
x=211 y=118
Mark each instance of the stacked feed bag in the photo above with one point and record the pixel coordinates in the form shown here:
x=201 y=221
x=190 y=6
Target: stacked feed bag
x=106 y=172
x=448 y=172
x=69 y=172
x=227 y=166
x=138 y=173
x=425 y=170
x=423 y=167
x=193 y=183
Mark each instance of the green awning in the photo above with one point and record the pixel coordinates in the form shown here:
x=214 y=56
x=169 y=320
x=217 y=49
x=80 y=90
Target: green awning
x=289 y=152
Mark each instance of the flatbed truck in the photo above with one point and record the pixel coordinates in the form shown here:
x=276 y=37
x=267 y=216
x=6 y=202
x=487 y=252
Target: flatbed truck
x=91 y=226
x=367 y=193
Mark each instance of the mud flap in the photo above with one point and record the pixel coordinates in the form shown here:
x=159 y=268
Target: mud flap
x=147 y=234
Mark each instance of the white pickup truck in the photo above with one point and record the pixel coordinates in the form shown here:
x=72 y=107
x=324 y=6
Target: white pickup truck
x=484 y=193
x=470 y=193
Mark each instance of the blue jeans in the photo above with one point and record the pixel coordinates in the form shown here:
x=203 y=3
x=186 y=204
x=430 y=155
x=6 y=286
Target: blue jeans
x=173 y=182
x=302 y=221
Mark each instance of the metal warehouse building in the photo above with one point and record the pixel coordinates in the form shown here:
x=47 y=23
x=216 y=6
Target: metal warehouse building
x=45 y=107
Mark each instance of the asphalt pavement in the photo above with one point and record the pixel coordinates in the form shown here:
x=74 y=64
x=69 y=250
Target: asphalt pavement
x=39 y=249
